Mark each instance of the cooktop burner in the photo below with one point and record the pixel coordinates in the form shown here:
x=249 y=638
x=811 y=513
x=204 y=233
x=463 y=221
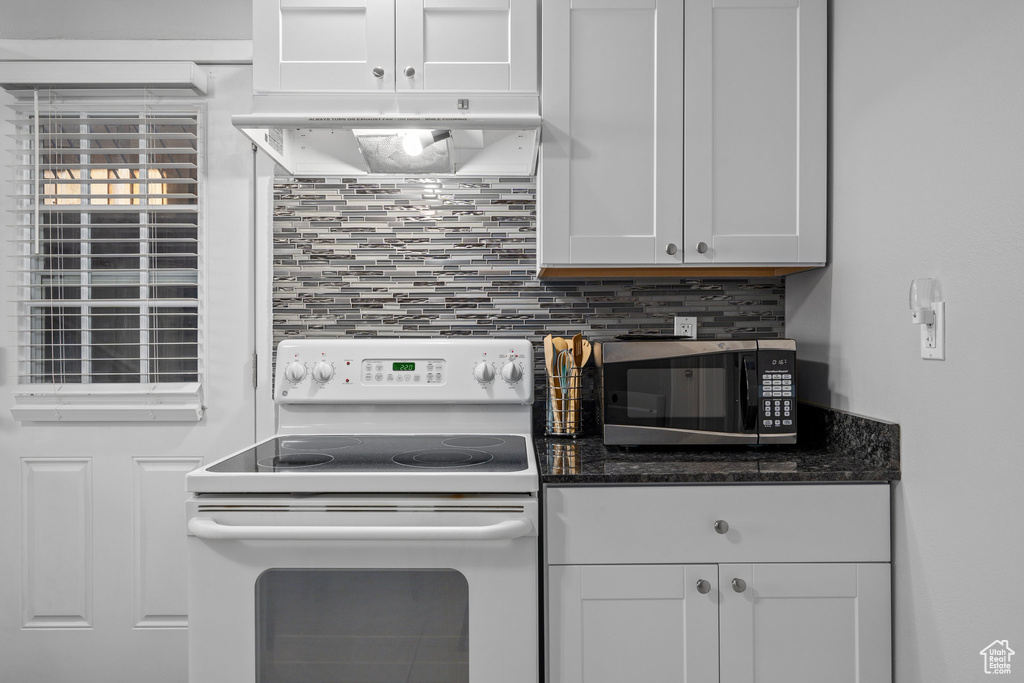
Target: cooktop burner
x=473 y=441
x=380 y=453
x=293 y=460
x=443 y=457
x=325 y=444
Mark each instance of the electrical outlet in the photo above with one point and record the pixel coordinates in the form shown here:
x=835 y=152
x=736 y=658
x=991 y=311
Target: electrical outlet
x=685 y=327
x=933 y=336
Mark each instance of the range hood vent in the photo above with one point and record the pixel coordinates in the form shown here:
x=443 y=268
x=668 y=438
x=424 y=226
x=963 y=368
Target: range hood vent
x=397 y=145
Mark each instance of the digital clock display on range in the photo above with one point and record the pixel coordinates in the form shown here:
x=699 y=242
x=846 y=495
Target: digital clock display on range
x=403 y=366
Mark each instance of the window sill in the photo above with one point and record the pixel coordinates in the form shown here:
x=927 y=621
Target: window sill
x=108 y=403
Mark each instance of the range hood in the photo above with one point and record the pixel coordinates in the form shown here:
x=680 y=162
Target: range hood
x=396 y=144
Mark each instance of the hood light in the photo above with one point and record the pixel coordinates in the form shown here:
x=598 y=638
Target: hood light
x=415 y=141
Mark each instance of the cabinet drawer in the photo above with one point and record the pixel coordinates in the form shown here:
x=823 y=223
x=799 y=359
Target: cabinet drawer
x=676 y=524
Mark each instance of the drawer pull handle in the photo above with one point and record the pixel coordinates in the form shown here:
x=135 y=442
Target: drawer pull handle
x=739 y=585
x=722 y=526
x=703 y=587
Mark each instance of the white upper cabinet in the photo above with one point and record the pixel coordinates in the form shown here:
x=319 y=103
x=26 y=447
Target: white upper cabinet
x=612 y=168
x=310 y=45
x=687 y=133
x=467 y=45
x=755 y=172
x=388 y=46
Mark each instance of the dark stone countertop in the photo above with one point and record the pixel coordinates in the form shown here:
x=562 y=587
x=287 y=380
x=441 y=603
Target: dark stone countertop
x=833 y=446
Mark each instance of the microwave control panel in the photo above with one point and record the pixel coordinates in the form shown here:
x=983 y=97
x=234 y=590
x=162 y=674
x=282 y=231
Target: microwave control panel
x=776 y=412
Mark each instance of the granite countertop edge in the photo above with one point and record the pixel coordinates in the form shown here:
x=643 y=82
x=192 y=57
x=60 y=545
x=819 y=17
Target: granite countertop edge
x=834 y=446
x=874 y=476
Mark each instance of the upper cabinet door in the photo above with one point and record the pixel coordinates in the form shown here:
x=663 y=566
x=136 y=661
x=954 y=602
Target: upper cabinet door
x=484 y=46
x=755 y=153
x=466 y=45
x=611 y=168
x=323 y=45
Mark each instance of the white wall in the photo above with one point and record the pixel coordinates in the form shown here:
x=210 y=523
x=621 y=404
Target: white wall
x=927 y=166
x=126 y=19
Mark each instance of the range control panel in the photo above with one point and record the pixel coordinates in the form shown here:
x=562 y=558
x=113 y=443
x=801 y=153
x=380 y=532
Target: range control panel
x=390 y=371
x=776 y=370
x=375 y=370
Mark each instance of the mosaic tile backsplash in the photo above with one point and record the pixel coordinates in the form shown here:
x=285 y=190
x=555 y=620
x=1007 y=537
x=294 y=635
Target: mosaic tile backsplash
x=441 y=257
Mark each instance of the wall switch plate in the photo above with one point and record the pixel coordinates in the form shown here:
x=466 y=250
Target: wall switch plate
x=685 y=327
x=933 y=336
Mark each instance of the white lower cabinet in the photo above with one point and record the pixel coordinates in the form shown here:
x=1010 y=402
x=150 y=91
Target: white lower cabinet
x=616 y=623
x=616 y=617
x=805 y=622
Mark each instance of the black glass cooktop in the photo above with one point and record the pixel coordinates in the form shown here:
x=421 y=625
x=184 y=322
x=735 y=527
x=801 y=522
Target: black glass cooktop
x=379 y=453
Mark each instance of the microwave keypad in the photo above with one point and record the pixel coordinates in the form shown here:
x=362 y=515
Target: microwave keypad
x=781 y=412
x=777 y=408
x=777 y=385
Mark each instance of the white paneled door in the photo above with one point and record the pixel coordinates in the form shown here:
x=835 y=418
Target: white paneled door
x=92 y=525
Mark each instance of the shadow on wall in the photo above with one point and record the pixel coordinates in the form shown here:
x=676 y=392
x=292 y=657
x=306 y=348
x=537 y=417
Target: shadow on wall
x=809 y=322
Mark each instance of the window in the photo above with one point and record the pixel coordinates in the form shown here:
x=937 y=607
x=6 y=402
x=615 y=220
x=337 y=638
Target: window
x=108 y=205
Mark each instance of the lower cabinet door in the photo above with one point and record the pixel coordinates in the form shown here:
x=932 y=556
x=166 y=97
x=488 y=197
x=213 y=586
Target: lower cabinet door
x=805 y=623
x=616 y=623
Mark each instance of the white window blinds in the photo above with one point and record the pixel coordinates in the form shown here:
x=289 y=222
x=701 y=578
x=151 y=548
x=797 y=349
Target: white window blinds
x=108 y=226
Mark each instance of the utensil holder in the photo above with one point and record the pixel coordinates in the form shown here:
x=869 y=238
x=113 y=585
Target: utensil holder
x=564 y=404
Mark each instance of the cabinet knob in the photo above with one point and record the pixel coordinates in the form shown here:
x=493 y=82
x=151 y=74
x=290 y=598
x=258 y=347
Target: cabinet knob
x=671 y=249
x=409 y=71
x=739 y=585
x=702 y=247
x=378 y=72
x=722 y=526
x=703 y=587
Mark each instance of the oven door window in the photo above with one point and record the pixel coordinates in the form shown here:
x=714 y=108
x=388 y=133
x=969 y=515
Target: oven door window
x=697 y=393
x=362 y=625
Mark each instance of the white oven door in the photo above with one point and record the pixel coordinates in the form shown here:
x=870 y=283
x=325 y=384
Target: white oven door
x=322 y=589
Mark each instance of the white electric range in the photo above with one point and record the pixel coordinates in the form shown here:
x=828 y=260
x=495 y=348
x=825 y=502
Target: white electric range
x=387 y=532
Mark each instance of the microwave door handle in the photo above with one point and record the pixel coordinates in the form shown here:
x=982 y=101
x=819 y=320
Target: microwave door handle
x=749 y=393
x=509 y=529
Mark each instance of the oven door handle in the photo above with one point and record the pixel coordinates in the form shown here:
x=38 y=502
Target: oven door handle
x=204 y=527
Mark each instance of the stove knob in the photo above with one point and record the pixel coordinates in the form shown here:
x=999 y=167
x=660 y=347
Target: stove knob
x=512 y=373
x=323 y=371
x=295 y=372
x=483 y=372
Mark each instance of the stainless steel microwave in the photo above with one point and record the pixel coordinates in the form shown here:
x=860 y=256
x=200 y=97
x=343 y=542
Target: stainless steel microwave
x=658 y=392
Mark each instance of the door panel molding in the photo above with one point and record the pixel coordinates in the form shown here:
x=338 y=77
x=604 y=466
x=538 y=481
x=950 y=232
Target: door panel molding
x=159 y=569
x=57 y=543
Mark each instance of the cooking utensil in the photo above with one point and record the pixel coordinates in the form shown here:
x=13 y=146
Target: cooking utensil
x=559 y=344
x=586 y=353
x=574 y=389
x=549 y=367
x=564 y=372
